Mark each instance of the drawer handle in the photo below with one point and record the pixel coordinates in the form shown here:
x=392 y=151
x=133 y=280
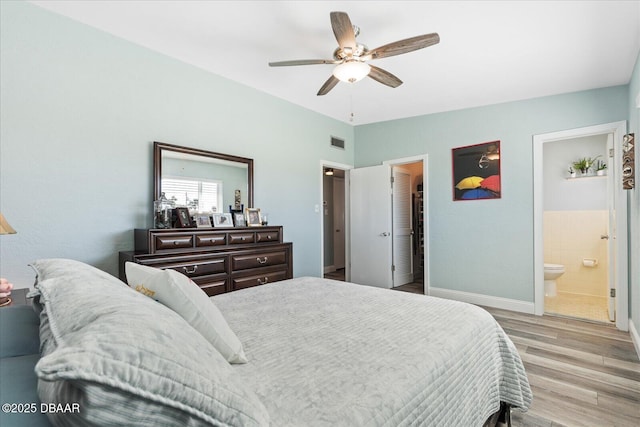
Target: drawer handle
x=176 y=243
x=269 y=237
x=263 y=260
x=186 y=270
x=266 y=280
x=243 y=238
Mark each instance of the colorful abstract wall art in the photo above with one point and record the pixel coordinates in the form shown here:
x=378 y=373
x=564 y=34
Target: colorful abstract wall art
x=476 y=171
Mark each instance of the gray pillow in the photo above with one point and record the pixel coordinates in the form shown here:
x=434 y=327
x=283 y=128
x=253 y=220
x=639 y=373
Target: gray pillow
x=125 y=359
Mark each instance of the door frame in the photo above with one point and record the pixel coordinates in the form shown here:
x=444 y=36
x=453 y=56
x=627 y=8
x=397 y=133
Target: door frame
x=347 y=228
x=618 y=129
x=424 y=158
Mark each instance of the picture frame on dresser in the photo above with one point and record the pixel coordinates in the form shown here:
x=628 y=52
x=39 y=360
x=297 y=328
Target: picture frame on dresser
x=253 y=217
x=239 y=220
x=222 y=220
x=183 y=219
x=203 y=221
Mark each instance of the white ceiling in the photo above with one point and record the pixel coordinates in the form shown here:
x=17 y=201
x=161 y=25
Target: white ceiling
x=490 y=51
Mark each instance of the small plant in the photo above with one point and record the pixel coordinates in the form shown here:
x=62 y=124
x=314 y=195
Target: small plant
x=600 y=165
x=571 y=170
x=584 y=164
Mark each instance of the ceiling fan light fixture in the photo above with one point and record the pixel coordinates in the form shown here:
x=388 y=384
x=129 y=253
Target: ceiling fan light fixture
x=351 y=71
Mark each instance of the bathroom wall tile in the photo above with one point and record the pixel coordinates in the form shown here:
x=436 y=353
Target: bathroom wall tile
x=571 y=236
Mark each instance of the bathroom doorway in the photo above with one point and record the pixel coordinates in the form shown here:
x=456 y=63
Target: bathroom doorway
x=594 y=222
x=576 y=228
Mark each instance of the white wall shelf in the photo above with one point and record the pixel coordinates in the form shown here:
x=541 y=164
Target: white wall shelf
x=585 y=176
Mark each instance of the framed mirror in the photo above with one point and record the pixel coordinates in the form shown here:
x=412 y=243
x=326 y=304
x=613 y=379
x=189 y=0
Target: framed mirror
x=203 y=181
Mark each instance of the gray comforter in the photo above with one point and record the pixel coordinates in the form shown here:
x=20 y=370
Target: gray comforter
x=328 y=353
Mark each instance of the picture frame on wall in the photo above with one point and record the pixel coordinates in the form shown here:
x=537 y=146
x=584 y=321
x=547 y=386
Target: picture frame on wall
x=222 y=220
x=203 y=221
x=476 y=172
x=183 y=219
x=253 y=217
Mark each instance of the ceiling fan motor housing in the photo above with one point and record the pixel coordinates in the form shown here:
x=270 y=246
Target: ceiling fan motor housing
x=341 y=54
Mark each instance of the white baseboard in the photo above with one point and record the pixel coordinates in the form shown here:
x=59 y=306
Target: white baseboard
x=635 y=337
x=485 y=300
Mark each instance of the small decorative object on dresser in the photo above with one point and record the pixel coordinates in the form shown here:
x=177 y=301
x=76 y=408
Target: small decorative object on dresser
x=222 y=220
x=183 y=218
x=253 y=217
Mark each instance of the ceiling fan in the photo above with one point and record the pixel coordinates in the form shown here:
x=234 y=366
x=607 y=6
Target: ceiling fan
x=351 y=57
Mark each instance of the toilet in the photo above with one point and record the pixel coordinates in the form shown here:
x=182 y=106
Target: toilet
x=551 y=273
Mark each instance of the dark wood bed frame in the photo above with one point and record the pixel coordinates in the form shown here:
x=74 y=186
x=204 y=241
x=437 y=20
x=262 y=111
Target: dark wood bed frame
x=501 y=418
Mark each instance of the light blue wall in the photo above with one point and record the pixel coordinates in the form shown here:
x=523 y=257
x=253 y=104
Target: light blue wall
x=485 y=246
x=80 y=110
x=634 y=202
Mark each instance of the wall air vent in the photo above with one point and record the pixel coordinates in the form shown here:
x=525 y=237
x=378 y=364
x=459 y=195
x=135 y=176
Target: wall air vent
x=337 y=142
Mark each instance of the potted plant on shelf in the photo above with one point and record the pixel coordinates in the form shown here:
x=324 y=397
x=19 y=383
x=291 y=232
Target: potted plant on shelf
x=584 y=164
x=601 y=168
x=572 y=172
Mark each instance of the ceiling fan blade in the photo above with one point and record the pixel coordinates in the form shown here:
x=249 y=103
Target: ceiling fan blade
x=303 y=62
x=328 y=85
x=343 y=30
x=384 y=77
x=404 y=46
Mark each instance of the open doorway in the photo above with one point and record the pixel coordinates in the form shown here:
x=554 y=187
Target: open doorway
x=333 y=213
x=576 y=227
x=616 y=235
x=383 y=253
x=407 y=229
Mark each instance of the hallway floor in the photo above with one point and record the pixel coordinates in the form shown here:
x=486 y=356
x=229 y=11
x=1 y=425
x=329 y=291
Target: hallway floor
x=578 y=306
x=416 y=288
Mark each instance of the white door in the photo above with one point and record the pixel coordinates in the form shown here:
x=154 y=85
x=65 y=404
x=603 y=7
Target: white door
x=402 y=228
x=370 y=204
x=338 y=223
x=611 y=235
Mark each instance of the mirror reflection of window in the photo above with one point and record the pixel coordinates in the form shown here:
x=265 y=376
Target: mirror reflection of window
x=196 y=194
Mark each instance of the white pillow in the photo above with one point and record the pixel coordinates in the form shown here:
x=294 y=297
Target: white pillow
x=182 y=295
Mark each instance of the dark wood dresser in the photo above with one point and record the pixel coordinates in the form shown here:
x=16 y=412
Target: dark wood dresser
x=219 y=260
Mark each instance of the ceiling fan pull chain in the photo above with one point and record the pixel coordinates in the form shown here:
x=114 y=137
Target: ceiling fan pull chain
x=351 y=103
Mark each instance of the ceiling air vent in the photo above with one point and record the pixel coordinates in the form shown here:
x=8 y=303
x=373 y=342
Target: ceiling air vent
x=337 y=142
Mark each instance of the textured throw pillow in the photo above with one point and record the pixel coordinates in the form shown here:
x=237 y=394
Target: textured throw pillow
x=115 y=357
x=179 y=293
x=469 y=183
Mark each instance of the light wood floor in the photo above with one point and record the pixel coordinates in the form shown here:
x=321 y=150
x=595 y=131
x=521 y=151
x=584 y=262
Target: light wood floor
x=581 y=373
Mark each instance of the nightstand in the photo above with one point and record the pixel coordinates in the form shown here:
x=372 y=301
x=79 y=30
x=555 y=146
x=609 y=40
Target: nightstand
x=18 y=297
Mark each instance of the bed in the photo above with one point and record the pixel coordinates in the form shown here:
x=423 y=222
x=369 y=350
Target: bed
x=331 y=353
x=315 y=352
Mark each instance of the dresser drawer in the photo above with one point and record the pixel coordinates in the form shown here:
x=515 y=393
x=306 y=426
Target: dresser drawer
x=168 y=242
x=258 y=259
x=257 y=279
x=208 y=240
x=192 y=269
x=267 y=236
x=240 y=238
x=212 y=285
